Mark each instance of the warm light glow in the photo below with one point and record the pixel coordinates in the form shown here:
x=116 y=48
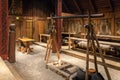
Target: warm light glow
x=17 y=18
x=59 y=62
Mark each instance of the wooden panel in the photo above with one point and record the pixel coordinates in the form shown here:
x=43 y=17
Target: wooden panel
x=41 y=26
x=26 y=28
x=72 y=25
x=23 y=29
x=29 y=28
x=18 y=28
x=97 y=22
x=117 y=28
x=105 y=27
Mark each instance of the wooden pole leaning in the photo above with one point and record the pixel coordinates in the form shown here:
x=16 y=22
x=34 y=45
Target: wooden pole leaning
x=103 y=60
x=91 y=38
x=49 y=46
x=52 y=40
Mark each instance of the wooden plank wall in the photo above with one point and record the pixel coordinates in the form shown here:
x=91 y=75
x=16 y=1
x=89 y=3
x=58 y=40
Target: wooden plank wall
x=40 y=28
x=30 y=23
x=112 y=20
x=29 y=27
x=33 y=26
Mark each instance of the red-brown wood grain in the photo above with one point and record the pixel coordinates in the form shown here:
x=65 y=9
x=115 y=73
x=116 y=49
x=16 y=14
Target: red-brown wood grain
x=59 y=22
x=4 y=29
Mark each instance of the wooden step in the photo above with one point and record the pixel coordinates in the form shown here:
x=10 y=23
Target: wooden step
x=13 y=71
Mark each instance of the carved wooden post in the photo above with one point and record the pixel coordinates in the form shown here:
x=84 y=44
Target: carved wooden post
x=4 y=29
x=12 y=36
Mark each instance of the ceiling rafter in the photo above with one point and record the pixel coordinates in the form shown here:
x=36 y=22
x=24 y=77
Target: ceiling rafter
x=78 y=8
x=53 y=3
x=16 y=7
x=110 y=4
x=66 y=7
x=92 y=5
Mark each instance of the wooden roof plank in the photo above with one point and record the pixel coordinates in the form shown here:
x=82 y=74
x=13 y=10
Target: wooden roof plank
x=92 y=5
x=78 y=8
x=66 y=7
x=110 y=4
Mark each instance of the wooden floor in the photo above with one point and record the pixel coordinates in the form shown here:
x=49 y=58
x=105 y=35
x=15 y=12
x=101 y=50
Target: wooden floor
x=82 y=55
x=36 y=70
x=5 y=72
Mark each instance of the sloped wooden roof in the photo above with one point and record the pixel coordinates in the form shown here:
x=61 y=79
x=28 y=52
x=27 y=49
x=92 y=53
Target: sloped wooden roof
x=78 y=6
x=81 y=6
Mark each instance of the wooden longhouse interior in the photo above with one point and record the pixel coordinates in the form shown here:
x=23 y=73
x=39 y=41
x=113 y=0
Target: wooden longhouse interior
x=59 y=39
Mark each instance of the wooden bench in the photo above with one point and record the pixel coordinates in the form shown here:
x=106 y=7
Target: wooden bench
x=105 y=46
x=46 y=35
x=101 y=42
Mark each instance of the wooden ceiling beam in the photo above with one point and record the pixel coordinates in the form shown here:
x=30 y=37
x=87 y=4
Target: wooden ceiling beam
x=78 y=8
x=53 y=3
x=92 y=5
x=110 y=4
x=66 y=7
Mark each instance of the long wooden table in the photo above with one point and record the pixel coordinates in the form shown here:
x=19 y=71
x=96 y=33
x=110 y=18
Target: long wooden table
x=25 y=44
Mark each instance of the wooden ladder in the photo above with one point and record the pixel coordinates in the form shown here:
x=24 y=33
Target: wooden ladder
x=51 y=41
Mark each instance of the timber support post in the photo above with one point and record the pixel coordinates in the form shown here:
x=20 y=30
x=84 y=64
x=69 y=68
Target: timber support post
x=59 y=22
x=12 y=37
x=4 y=29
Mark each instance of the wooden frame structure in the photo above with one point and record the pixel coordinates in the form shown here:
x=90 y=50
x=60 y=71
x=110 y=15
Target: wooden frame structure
x=51 y=41
x=91 y=38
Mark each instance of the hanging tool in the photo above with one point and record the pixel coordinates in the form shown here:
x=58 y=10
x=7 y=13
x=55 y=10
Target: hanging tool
x=91 y=38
